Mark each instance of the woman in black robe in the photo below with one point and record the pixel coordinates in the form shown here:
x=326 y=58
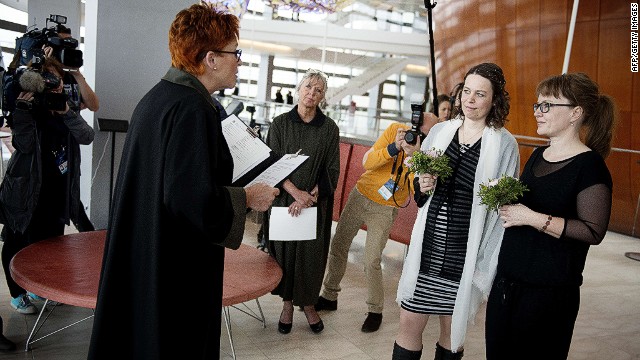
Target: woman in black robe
x=173 y=210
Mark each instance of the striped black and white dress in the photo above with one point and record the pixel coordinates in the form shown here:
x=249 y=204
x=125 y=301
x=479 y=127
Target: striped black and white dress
x=446 y=234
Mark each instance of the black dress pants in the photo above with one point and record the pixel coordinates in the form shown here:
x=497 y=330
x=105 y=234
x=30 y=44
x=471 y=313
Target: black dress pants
x=40 y=228
x=530 y=322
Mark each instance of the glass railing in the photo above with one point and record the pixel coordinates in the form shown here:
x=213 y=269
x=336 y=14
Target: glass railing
x=352 y=123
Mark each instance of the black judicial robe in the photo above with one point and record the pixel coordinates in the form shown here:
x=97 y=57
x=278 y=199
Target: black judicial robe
x=160 y=290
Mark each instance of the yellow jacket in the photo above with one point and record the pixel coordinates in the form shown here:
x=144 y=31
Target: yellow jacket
x=378 y=164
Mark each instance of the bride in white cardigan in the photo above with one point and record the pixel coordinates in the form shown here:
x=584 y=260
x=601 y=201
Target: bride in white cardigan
x=485 y=106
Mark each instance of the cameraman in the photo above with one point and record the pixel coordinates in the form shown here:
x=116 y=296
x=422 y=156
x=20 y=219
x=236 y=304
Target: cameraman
x=80 y=96
x=383 y=188
x=40 y=192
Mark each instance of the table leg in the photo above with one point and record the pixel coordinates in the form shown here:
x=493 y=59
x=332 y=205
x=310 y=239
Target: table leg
x=38 y=325
x=34 y=331
x=264 y=321
x=227 y=322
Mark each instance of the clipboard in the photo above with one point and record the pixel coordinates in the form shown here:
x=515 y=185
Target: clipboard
x=252 y=158
x=250 y=154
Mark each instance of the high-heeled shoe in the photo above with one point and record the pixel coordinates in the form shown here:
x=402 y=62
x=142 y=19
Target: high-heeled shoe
x=317 y=327
x=284 y=328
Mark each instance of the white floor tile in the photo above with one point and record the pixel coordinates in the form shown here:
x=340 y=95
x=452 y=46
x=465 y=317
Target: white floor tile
x=608 y=324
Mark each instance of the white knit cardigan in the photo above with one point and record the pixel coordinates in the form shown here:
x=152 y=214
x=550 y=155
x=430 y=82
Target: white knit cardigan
x=498 y=156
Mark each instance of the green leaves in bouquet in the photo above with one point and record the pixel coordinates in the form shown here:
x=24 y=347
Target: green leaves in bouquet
x=502 y=191
x=432 y=162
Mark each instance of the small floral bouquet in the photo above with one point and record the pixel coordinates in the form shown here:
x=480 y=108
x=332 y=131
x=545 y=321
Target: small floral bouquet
x=502 y=191
x=433 y=162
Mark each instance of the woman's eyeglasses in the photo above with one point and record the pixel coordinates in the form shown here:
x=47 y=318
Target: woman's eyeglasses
x=545 y=106
x=237 y=52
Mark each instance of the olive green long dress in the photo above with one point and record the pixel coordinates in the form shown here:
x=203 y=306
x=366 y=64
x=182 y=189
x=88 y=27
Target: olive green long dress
x=303 y=262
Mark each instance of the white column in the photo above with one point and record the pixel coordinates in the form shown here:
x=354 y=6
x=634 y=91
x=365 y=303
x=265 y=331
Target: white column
x=130 y=56
x=39 y=11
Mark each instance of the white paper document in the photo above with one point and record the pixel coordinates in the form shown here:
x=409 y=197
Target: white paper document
x=279 y=170
x=284 y=227
x=247 y=150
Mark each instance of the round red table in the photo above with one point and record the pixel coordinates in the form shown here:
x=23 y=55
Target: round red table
x=68 y=271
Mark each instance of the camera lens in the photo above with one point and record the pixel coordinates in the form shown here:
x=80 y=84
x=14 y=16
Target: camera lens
x=410 y=137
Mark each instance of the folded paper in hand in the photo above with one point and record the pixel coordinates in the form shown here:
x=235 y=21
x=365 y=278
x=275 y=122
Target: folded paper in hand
x=279 y=170
x=248 y=152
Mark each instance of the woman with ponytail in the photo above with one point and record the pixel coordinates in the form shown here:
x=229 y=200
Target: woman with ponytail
x=535 y=296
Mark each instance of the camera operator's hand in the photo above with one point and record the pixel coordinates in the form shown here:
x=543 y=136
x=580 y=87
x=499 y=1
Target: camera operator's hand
x=26 y=96
x=48 y=51
x=66 y=109
x=400 y=142
x=24 y=101
x=410 y=149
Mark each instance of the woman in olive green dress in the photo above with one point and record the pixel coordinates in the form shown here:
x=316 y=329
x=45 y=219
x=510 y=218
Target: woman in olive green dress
x=307 y=129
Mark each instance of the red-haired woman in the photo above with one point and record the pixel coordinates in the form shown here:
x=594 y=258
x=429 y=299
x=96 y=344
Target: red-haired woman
x=173 y=210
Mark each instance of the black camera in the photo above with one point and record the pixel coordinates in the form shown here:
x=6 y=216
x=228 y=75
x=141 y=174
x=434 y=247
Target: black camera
x=37 y=59
x=411 y=136
x=64 y=49
x=39 y=83
x=57 y=37
x=50 y=101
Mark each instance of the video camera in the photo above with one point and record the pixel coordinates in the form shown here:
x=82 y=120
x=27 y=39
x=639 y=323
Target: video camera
x=411 y=136
x=29 y=52
x=37 y=81
x=64 y=47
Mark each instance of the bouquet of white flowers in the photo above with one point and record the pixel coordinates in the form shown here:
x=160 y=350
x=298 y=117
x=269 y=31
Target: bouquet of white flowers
x=501 y=191
x=433 y=162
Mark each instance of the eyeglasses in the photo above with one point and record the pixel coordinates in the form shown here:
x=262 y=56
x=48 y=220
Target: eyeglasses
x=237 y=52
x=545 y=106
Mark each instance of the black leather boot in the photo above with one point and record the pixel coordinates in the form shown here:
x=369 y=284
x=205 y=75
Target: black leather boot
x=444 y=354
x=400 y=353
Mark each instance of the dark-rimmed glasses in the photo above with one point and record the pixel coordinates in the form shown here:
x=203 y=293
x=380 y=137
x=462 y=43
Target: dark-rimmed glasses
x=545 y=106
x=237 y=52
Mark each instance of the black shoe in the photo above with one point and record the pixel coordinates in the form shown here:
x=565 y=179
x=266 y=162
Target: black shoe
x=324 y=304
x=284 y=328
x=317 y=327
x=372 y=322
x=6 y=344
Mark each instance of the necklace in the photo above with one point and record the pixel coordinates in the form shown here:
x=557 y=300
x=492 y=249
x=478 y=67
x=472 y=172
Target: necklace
x=465 y=138
x=463 y=144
